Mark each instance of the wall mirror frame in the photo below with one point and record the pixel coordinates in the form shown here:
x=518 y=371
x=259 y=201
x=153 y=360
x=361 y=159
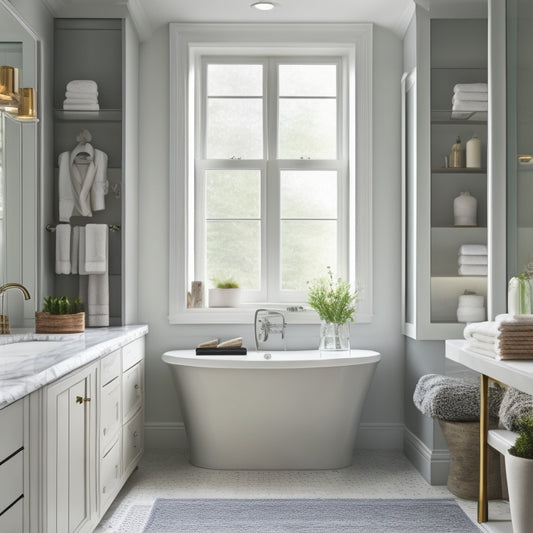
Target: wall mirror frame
x=20 y=165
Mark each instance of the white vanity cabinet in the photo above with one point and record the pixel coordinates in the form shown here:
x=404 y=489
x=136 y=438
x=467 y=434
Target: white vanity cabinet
x=93 y=438
x=12 y=469
x=70 y=439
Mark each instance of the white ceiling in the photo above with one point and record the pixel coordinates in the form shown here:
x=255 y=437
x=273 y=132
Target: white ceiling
x=150 y=14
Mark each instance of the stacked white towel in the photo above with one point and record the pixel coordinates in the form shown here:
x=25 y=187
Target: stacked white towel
x=81 y=95
x=473 y=260
x=507 y=337
x=468 y=98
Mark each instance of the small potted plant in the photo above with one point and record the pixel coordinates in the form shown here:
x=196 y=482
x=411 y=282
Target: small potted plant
x=60 y=314
x=519 y=469
x=225 y=294
x=336 y=304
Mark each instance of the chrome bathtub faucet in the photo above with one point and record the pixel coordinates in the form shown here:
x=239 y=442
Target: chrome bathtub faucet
x=267 y=321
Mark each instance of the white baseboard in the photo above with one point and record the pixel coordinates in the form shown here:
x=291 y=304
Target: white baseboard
x=433 y=465
x=171 y=435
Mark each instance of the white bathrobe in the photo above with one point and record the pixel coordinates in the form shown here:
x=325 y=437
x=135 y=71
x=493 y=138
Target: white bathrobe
x=82 y=181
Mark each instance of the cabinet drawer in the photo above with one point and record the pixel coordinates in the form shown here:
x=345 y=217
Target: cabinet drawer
x=12 y=520
x=11 y=480
x=110 y=415
x=110 y=472
x=11 y=429
x=110 y=367
x=133 y=441
x=132 y=389
x=132 y=353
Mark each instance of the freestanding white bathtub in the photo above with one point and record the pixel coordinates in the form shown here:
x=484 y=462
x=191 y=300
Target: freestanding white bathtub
x=294 y=410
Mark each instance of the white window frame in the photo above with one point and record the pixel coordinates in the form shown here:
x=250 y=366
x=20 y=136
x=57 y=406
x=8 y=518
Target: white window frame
x=190 y=41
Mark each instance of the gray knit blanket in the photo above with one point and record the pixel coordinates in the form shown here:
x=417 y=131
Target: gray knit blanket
x=515 y=405
x=453 y=399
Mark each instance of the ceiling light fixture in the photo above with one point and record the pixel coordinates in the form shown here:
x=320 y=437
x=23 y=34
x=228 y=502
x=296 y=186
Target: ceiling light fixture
x=263 y=5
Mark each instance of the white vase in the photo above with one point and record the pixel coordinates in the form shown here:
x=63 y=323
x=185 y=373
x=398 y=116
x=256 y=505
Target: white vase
x=465 y=210
x=224 y=297
x=473 y=152
x=520 y=485
x=519 y=297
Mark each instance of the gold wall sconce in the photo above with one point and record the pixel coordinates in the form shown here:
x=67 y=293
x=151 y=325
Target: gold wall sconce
x=27 y=104
x=8 y=89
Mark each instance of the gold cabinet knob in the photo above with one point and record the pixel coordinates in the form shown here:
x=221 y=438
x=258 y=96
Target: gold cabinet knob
x=81 y=399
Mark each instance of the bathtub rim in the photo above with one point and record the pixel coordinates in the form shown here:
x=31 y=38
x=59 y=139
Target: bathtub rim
x=279 y=360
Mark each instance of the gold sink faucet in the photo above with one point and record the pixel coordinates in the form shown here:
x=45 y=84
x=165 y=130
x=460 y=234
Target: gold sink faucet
x=4 y=320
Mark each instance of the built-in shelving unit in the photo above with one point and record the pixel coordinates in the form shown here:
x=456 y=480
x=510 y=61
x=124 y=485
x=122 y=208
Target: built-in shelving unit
x=432 y=283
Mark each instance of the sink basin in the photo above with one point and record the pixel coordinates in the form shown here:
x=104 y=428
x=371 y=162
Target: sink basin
x=17 y=358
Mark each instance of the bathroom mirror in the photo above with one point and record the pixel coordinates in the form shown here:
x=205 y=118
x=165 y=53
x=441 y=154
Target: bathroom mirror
x=19 y=173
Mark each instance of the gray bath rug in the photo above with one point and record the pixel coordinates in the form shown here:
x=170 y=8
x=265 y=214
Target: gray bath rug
x=308 y=515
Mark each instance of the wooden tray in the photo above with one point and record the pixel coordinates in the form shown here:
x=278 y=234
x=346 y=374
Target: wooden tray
x=47 y=323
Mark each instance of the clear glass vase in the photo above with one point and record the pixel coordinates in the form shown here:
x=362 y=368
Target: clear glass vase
x=334 y=337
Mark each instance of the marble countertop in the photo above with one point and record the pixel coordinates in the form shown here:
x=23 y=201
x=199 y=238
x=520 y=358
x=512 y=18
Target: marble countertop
x=78 y=350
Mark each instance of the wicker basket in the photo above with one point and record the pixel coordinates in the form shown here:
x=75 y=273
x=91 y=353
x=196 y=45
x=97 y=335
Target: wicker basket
x=47 y=323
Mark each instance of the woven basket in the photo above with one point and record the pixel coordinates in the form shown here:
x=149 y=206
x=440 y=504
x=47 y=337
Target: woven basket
x=47 y=323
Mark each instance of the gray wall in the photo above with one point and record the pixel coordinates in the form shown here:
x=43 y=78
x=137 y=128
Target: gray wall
x=383 y=413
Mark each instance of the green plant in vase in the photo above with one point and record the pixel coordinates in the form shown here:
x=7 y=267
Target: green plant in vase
x=336 y=304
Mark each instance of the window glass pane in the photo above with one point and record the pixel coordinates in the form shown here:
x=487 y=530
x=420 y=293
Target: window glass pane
x=308 y=194
x=234 y=251
x=307 y=128
x=233 y=194
x=308 y=80
x=234 y=80
x=307 y=248
x=234 y=128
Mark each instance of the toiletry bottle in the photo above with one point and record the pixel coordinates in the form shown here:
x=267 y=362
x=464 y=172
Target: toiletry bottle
x=457 y=155
x=465 y=210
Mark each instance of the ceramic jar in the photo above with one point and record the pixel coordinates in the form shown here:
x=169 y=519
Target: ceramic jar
x=465 y=210
x=473 y=152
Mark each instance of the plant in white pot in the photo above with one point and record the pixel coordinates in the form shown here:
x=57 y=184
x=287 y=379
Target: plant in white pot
x=336 y=304
x=519 y=469
x=225 y=294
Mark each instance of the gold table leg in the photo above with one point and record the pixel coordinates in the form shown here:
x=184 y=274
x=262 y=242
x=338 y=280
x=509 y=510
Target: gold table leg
x=483 y=506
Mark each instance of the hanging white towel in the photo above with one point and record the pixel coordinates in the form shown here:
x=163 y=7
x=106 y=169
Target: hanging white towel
x=63 y=249
x=96 y=238
x=82 y=85
x=98 y=300
x=81 y=252
x=74 y=249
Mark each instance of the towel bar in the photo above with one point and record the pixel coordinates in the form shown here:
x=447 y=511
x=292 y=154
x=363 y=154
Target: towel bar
x=112 y=227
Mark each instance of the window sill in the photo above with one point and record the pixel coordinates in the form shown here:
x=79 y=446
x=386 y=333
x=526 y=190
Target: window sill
x=245 y=315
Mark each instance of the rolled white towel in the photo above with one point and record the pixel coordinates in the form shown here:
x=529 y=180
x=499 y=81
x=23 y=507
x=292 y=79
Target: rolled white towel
x=464 y=95
x=469 y=105
x=473 y=249
x=473 y=260
x=487 y=328
x=63 y=249
x=81 y=107
x=79 y=101
x=82 y=85
x=471 y=87
x=473 y=270
x=81 y=94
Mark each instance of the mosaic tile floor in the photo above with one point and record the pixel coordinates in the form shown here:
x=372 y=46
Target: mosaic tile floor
x=374 y=474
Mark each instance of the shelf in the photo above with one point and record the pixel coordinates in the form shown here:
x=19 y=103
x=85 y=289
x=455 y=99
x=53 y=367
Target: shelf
x=446 y=116
x=447 y=227
x=444 y=170
x=103 y=115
